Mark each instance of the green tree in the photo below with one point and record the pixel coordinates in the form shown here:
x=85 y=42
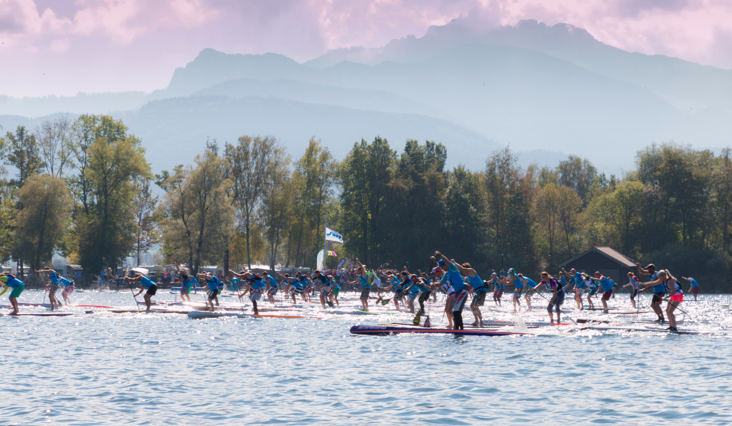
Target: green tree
x=463 y=220
x=365 y=175
x=251 y=162
x=722 y=182
x=578 y=174
x=42 y=219
x=144 y=205
x=198 y=213
x=56 y=145
x=313 y=181
x=22 y=152
x=619 y=213
x=106 y=226
x=417 y=186
x=277 y=205
x=547 y=206
x=683 y=178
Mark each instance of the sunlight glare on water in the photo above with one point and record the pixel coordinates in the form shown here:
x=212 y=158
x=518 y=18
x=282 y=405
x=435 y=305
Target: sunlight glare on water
x=137 y=368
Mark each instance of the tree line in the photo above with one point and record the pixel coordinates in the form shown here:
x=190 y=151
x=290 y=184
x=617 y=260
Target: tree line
x=84 y=189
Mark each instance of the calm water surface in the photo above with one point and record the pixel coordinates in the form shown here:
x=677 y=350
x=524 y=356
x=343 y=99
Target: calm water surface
x=105 y=368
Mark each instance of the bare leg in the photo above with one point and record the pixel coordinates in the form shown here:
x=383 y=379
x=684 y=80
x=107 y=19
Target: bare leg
x=670 y=308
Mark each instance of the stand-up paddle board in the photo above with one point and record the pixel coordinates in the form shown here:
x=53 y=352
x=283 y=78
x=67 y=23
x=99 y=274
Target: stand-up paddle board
x=383 y=330
x=39 y=314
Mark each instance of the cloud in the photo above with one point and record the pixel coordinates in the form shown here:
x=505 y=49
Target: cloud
x=633 y=8
x=103 y=45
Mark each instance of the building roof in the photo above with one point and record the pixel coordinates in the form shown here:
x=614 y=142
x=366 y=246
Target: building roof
x=608 y=252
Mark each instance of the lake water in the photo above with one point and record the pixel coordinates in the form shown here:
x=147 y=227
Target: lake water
x=137 y=368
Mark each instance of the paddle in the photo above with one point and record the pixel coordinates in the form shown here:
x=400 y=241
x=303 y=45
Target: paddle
x=133 y=295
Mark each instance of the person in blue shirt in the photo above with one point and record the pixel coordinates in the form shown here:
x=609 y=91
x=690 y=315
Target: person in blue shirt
x=513 y=279
x=412 y=291
x=145 y=284
x=606 y=286
x=185 y=282
x=529 y=284
x=51 y=287
x=336 y=291
x=214 y=284
x=363 y=279
x=694 y=289
x=576 y=279
x=458 y=286
x=634 y=287
x=294 y=286
x=272 y=286
x=659 y=291
x=234 y=285
x=255 y=288
x=497 y=288
x=478 y=286
x=9 y=281
x=324 y=286
x=68 y=286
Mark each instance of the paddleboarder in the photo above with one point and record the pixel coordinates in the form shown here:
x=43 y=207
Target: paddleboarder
x=458 y=286
x=694 y=289
x=675 y=299
x=323 y=285
x=579 y=286
x=68 y=288
x=17 y=285
x=52 y=286
x=529 y=284
x=634 y=287
x=214 y=284
x=659 y=291
x=606 y=286
x=498 y=287
x=555 y=303
x=363 y=279
x=185 y=282
x=147 y=285
x=518 y=287
x=255 y=287
x=272 y=286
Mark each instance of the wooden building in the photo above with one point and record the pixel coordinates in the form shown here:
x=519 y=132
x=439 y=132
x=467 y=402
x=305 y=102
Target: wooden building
x=607 y=261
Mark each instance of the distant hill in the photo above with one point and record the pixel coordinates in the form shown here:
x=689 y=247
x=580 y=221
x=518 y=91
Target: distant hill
x=683 y=83
x=534 y=87
x=83 y=103
x=370 y=100
x=515 y=96
x=175 y=130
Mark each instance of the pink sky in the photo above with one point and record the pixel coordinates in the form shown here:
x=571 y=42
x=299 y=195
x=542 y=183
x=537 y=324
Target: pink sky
x=66 y=46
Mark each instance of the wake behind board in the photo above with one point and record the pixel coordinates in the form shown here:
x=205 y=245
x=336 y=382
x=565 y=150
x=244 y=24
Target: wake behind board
x=384 y=330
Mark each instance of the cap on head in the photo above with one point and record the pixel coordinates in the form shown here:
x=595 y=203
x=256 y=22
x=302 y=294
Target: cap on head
x=650 y=265
x=511 y=271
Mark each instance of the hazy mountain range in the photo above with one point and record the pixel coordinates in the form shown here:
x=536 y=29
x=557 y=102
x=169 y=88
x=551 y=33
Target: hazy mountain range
x=550 y=91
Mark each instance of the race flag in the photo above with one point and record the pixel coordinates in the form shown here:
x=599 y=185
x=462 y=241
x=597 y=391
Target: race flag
x=332 y=253
x=319 y=262
x=341 y=263
x=331 y=235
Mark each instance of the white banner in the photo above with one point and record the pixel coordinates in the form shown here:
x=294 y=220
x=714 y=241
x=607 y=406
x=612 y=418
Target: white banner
x=319 y=263
x=331 y=235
